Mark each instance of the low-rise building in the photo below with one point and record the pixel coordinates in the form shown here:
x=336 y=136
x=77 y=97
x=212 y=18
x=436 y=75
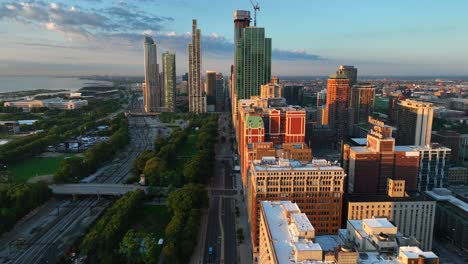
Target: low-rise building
x=372 y=234
x=25 y=104
x=413 y=214
x=286 y=235
x=59 y=103
x=53 y=103
x=414 y=255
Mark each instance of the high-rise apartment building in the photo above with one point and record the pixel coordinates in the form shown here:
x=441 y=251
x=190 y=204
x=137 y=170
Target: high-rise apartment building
x=350 y=72
x=197 y=97
x=336 y=113
x=362 y=102
x=317 y=187
x=220 y=92
x=414 y=123
x=369 y=167
x=252 y=66
x=152 y=89
x=434 y=162
x=210 y=88
x=169 y=82
x=241 y=21
x=293 y=94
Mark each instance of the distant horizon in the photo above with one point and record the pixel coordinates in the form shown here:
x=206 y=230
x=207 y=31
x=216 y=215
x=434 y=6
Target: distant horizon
x=370 y=76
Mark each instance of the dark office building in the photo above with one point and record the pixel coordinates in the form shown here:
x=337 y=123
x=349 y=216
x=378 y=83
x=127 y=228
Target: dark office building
x=293 y=94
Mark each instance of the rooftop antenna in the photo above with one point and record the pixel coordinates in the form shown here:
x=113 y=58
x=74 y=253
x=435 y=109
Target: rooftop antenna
x=256 y=8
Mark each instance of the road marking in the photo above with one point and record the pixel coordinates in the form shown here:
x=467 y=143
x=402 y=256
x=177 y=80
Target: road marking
x=222 y=229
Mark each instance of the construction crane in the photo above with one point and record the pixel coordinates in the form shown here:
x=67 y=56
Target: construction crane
x=256 y=8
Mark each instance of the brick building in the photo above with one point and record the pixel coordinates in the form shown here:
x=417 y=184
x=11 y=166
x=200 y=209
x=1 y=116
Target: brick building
x=317 y=187
x=369 y=167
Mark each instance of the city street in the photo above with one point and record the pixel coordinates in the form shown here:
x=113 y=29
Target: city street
x=221 y=231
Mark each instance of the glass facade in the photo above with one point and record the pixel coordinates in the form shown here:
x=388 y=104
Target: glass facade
x=253 y=59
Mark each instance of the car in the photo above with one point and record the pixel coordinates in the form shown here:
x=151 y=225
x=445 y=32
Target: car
x=210 y=250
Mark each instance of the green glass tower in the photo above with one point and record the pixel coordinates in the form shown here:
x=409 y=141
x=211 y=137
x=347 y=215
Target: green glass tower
x=253 y=59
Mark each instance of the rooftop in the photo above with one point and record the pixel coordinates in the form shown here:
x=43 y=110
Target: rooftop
x=283 y=238
x=415 y=252
x=302 y=222
x=378 y=223
x=328 y=242
x=442 y=194
x=413 y=197
x=254 y=121
x=272 y=164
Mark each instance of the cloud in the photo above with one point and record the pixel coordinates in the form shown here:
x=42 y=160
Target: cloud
x=75 y=21
x=281 y=54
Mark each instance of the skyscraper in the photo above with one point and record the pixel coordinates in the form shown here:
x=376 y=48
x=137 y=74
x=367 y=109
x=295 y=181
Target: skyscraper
x=336 y=113
x=350 y=72
x=152 y=90
x=253 y=62
x=210 y=89
x=362 y=102
x=220 y=96
x=241 y=21
x=197 y=98
x=169 y=81
x=414 y=123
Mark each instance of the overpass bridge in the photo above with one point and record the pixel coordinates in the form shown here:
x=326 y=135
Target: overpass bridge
x=95 y=189
x=106 y=189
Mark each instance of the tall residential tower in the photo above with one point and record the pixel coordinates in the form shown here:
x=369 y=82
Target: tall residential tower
x=336 y=113
x=350 y=72
x=414 y=123
x=152 y=89
x=197 y=97
x=169 y=81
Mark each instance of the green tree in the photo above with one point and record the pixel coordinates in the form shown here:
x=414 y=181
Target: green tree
x=154 y=169
x=131 y=245
x=140 y=162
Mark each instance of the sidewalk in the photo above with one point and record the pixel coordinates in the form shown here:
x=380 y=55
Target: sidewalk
x=244 y=249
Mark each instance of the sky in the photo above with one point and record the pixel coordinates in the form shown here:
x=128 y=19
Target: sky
x=97 y=37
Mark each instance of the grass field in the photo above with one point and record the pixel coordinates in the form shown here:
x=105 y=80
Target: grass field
x=27 y=169
x=190 y=147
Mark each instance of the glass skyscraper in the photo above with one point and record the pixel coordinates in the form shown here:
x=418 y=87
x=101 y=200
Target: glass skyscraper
x=253 y=61
x=151 y=90
x=169 y=81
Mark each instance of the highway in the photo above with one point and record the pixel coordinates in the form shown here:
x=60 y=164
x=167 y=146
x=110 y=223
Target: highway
x=221 y=231
x=45 y=235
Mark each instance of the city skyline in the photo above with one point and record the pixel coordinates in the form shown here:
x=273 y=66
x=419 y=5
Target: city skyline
x=59 y=38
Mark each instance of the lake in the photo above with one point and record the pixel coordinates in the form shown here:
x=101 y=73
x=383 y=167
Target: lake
x=27 y=83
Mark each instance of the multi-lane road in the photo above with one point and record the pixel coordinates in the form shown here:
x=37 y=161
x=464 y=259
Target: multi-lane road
x=221 y=231
x=48 y=232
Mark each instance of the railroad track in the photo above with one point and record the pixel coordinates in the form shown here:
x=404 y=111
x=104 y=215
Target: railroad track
x=44 y=245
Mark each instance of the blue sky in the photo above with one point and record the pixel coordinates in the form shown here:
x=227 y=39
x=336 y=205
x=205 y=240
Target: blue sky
x=309 y=37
